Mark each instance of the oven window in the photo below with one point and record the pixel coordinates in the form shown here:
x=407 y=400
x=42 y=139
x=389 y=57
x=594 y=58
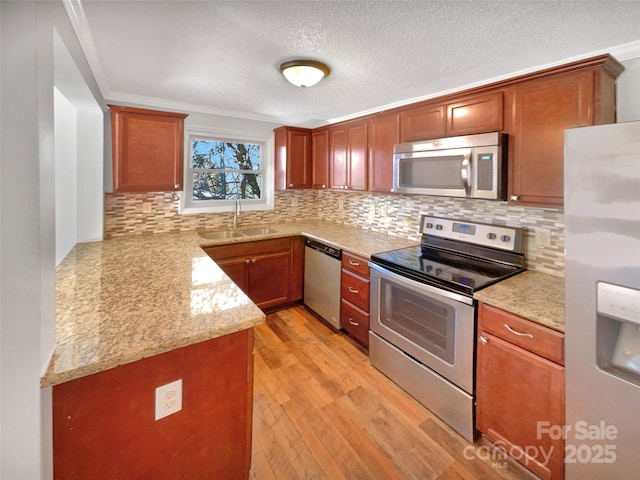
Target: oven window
x=423 y=320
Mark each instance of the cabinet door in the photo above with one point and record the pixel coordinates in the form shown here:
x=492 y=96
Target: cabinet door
x=357 y=156
x=270 y=279
x=148 y=149
x=339 y=168
x=237 y=269
x=515 y=390
x=320 y=159
x=477 y=114
x=292 y=158
x=422 y=123
x=384 y=133
x=543 y=110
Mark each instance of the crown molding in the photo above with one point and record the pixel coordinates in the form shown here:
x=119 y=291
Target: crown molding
x=627 y=51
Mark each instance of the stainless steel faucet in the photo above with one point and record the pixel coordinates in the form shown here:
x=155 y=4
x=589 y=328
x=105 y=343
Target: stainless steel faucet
x=236 y=214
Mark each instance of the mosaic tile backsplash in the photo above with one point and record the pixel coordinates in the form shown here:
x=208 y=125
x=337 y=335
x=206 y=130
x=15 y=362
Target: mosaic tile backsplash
x=397 y=215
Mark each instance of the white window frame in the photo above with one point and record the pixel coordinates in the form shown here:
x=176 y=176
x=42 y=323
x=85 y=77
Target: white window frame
x=189 y=206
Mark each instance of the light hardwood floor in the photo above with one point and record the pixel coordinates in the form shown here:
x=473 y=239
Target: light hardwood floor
x=321 y=411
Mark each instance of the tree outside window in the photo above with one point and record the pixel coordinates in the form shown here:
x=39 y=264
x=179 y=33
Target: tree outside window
x=226 y=170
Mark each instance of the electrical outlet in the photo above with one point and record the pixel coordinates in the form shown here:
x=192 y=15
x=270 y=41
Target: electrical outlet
x=542 y=237
x=146 y=207
x=341 y=204
x=384 y=210
x=372 y=210
x=294 y=201
x=168 y=399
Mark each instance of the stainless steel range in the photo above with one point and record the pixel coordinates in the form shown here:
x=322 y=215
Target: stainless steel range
x=423 y=316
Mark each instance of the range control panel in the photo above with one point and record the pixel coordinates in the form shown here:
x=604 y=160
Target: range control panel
x=495 y=236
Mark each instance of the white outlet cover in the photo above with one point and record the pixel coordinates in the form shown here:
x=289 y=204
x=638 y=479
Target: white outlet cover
x=168 y=399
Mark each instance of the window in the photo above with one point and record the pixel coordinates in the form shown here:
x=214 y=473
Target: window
x=221 y=169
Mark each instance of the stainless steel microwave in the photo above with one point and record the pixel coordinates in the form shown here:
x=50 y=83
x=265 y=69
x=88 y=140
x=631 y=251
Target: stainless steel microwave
x=471 y=166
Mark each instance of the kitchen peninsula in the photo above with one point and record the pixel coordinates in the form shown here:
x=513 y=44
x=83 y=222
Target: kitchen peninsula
x=138 y=312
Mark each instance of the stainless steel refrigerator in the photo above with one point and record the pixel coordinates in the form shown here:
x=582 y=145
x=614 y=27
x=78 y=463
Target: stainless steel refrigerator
x=602 y=309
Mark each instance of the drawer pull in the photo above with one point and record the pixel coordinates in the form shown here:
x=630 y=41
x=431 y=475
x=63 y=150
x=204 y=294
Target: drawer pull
x=353 y=290
x=253 y=260
x=355 y=264
x=520 y=334
x=355 y=324
x=483 y=339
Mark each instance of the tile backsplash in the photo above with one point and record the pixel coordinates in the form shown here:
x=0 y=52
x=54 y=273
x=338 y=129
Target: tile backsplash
x=397 y=215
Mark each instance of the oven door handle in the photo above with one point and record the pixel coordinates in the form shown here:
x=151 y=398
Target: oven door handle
x=423 y=287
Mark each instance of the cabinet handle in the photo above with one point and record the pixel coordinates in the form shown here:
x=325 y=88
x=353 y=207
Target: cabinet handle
x=291 y=185
x=247 y=261
x=324 y=186
x=355 y=264
x=177 y=186
x=514 y=198
x=483 y=339
x=520 y=334
x=353 y=290
x=355 y=324
x=253 y=260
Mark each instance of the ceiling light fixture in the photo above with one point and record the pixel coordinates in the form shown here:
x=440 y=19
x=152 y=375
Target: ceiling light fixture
x=304 y=73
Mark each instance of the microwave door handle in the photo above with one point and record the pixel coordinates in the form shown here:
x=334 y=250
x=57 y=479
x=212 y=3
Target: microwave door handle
x=465 y=173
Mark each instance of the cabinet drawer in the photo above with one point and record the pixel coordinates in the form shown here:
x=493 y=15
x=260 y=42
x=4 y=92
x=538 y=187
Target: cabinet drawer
x=355 y=322
x=355 y=264
x=521 y=332
x=355 y=289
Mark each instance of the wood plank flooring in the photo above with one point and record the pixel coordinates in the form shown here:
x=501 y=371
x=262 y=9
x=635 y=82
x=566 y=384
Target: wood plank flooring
x=321 y=411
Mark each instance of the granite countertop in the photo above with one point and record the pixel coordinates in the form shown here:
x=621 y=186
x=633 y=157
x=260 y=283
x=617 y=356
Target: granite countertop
x=532 y=295
x=128 y=298
x=352 y=239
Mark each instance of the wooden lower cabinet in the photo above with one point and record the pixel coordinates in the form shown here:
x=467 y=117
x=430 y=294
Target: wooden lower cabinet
x=270 y=272
x=104 y=426
x=354 y=304
x=519 y=393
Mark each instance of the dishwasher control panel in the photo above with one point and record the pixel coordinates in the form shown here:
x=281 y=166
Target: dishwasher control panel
x=325 y=248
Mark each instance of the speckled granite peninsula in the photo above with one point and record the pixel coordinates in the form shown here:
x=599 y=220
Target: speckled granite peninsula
x=535 y=296
x=130 y=298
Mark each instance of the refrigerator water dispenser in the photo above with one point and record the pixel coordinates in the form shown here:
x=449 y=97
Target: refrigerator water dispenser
x=618 y=331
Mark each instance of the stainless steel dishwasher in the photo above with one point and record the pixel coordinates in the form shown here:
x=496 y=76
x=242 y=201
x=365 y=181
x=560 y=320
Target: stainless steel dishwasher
x=322 y=264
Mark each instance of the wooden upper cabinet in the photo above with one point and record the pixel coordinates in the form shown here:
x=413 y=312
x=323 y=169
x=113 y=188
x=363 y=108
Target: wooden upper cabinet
x=477 y=114
x=357 y=150
x=338 y=143
x=320 y=159
x=542 y=109
x=349 y=156
x=384 y=133
x=293 y=158
x=422 y=123
x=148 y=149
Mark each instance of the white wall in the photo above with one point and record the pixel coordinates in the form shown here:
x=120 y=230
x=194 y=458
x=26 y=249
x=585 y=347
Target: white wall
x=66 y=178
x=628 y=91
x=27 y=227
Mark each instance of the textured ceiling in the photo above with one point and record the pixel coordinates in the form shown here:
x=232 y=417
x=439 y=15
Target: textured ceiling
x=223 y=57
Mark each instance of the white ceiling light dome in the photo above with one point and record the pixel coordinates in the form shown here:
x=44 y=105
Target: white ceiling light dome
x=304 y=73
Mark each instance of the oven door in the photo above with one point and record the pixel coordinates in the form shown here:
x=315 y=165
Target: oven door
x=434 y=326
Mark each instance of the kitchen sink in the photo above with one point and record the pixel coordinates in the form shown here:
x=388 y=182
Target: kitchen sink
x=225 y=234
x=221 y=235
x=258 y=231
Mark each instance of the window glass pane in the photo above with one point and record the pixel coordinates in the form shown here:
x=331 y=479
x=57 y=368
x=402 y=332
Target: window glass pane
x=225 y=155
x=226 y=186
